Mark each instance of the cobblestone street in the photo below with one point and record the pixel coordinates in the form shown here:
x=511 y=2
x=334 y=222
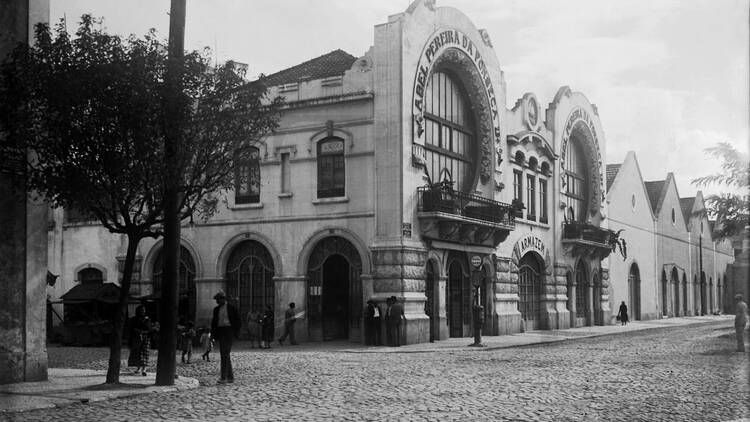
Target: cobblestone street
x=673 y=374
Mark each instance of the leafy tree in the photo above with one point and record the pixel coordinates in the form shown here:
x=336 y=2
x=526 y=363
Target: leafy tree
x=85 y=117
x=730 y=209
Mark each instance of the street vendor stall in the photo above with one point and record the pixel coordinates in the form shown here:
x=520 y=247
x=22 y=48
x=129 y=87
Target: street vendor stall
x=88 y=312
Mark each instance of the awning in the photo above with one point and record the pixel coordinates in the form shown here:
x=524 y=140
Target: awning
x=92 y=292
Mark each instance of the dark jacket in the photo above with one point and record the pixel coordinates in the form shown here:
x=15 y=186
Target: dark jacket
x=234 y=319
x=397 y=314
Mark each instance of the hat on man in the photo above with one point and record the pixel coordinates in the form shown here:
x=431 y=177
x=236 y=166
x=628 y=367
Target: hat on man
x=738 y=296
x=220 y=295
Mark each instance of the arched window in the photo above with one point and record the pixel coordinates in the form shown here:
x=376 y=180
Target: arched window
x=247 y=178
x=331 y=169
x=249 y=277
x=576 y=181
x=90 y=276
x=450 y=130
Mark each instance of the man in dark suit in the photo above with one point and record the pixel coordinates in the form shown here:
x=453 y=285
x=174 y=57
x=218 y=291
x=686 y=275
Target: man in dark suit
x=224 y=326
x=393 y=317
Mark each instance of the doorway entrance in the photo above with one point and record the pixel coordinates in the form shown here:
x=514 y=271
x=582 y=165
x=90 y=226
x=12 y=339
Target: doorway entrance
x=529 y=288
x=582 y=295
x=334 y=297
x=459 y=297
x=634 y=290
x=430 y=305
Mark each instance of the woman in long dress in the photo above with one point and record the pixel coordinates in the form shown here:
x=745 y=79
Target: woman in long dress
x=623 y=314
x=139 y=341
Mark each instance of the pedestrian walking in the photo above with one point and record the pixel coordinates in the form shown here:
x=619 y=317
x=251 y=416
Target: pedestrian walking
x=372 y=323
x=393 y=317
x=139 y=341
x=622 y=315
x=225 y=325
x=267 y=327
x=740 y=321
x=289 y=319
x=207 y=343
x=188 y=334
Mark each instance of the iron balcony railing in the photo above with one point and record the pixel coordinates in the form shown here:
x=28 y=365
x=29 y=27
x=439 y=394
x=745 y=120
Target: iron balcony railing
x=584 y=231
x=450 y=201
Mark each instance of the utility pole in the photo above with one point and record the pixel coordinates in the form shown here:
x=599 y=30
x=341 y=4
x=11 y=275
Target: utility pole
x=174 y=116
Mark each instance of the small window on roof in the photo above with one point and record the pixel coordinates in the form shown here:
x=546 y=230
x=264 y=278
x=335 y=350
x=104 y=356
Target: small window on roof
x=632 y=201
x=674 y=217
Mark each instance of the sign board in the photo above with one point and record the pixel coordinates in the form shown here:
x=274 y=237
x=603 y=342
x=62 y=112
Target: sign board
x=476 y=261
x=406 y=229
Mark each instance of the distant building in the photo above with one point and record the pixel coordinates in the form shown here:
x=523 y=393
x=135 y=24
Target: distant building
x=401 y=173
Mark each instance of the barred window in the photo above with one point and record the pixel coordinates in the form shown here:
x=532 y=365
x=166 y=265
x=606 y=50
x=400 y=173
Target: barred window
x=331 y=168
x=247 y=179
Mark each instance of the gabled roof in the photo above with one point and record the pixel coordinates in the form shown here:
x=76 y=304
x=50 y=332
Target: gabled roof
x=654 y=190
x=687 y=207
x=612 y=170
x=334 y=63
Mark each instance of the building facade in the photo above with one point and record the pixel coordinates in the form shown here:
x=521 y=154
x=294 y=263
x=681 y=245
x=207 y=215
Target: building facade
x=400 y=173
x=632 y=270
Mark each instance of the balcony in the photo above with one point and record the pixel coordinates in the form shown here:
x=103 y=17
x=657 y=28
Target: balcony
x=452 y=216
x=584 y=239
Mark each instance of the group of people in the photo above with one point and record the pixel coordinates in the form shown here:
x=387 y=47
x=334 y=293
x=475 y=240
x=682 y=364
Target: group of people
x=394 y=315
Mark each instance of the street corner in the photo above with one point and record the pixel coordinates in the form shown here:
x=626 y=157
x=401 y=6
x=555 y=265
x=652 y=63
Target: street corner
x=69 y=386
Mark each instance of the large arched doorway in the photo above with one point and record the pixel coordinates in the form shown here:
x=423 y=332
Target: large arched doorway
x=675 y=282
x=249 y=278
x=458 y=296
x=186 y=292
x=431 y=304
x=704 y=307
x=334 y=290
x=664 y=296
x=684 y=295
x=582 y=295
x=696 y=296
x=634 y=292
x=529 y=289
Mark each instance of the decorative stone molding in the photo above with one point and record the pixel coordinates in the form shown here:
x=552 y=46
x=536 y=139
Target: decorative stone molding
x=580 y=122
x=452 y=50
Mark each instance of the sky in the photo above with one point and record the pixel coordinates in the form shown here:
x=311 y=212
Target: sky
x=669 y=77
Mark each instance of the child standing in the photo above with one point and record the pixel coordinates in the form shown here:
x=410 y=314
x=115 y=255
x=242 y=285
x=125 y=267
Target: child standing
x=207 y=343
x=188 y=334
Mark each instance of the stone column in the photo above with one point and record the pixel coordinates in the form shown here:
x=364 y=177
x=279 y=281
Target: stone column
x=561 y=283
x=506 y=315
x=399 y=271
x=291 y=289
x=23 y=250
x=205 y=289
x=605 y=312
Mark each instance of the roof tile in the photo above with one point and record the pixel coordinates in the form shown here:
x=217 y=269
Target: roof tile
x=334 y=63
x=612 y=170
x=654 y=189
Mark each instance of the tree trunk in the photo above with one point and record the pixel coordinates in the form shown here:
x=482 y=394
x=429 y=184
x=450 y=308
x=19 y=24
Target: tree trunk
x=115 y=345
x=165 y=367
